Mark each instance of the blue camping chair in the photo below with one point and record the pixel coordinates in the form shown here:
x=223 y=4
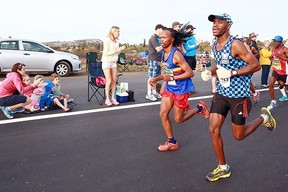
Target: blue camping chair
x=94 y=70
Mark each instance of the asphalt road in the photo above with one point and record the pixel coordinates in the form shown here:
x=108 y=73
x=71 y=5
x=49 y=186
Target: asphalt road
x=95 y=148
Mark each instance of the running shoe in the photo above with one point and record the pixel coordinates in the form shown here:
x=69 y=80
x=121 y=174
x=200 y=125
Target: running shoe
x=168 y=146
x=272 y=105
x=283 y=98
x=17 y=110
x=256 y=97
x=157 y=95
x=270 y=122
x=264 y=86
x=7 y=112
x=151 y=97
x=218 y=173
x=205 y=109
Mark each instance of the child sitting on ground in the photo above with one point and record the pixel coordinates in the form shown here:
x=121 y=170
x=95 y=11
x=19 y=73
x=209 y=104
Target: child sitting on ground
x=36 y=94
x=58 y=94
x=48 y=101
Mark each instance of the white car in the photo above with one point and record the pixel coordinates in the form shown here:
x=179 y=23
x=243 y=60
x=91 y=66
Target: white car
x=37 y=57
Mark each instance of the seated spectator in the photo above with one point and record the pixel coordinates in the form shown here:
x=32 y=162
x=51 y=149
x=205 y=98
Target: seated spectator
x=35 y=96
x=58 y=94
x=48 y=101
x=12 y=89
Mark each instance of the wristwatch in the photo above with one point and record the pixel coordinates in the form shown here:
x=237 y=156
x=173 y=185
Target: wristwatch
x=171 y=78
x=234 y=73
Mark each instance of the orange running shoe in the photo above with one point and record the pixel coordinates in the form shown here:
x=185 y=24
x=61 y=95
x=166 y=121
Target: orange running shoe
x=168 y=146
x=205 y=110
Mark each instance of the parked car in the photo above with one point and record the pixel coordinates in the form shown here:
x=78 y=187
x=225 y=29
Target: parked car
x=37 y=57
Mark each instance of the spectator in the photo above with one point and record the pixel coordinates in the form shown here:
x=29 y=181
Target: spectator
x=12 y=99
x=48 y=101
x=265 y=63
x=35 y=96
x=253 y=43
x=110 y=54
x=176 y=26
x=154 y=68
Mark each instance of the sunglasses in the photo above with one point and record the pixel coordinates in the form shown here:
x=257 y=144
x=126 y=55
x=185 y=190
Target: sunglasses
x=21 y=65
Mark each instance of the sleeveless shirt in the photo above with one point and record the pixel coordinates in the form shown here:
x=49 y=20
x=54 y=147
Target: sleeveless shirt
x=278 y=64
x=239 y=85
x=178 y=86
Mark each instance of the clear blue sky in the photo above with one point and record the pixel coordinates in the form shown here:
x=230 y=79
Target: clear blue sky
x=59 y=20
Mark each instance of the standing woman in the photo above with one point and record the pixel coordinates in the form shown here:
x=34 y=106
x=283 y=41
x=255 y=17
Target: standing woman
x=265 y=62
x=12 y=89
x=111 y=50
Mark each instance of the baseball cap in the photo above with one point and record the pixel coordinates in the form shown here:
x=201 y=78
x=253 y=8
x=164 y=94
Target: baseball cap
x=253 y=35
x=175 y=23
x=190 y=27
x=222 y=16
x=278 y=38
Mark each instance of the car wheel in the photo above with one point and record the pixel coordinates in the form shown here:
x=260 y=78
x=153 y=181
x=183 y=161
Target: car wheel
x=63 y=69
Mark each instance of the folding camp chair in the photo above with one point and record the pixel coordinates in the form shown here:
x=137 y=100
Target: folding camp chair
x=91 y=57
x=122 y=62
x=94 y=70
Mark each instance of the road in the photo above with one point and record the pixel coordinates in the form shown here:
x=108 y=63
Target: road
x=95 y=148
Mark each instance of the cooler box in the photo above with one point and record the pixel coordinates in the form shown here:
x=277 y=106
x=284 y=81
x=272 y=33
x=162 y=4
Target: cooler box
x=122 y=97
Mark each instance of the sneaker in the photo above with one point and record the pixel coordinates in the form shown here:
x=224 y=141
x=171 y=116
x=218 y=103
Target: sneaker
x=283 y=98
x=272 y=105
x=151 y=97
x=7 y=112
x=168 y=146
x=218 y=173
x=114 y=102
x=264 y=86
x=205 y=110
x=157 y=95
x=256 y=97
x=108 y=102
x=17 y=110
x=271 y=122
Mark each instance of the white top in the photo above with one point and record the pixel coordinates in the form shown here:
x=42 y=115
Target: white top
x=110 y=51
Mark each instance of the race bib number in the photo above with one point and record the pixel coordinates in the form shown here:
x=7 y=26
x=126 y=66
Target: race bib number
x=276 y=64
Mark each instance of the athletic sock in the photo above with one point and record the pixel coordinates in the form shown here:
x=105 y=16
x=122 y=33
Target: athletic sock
x=154 y=91
x=265 y=117
x=199 y=108
x=224 y=167
x=283 y=92
x=172 y=140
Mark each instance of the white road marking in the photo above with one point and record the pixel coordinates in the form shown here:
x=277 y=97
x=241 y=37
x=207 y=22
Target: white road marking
x=72 y=113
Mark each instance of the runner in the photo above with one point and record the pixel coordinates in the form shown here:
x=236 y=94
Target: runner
x=178 y=86
x=279 y=59
x=235 y=66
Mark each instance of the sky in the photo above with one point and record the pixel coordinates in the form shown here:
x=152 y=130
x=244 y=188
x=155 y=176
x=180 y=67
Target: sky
x=66 y=20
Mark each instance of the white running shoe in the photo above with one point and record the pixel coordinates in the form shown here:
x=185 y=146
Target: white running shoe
x=272 y=105
x=157 y=95
x=151 y=97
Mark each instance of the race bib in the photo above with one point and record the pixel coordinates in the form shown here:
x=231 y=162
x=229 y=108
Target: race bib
x=276 y=64
x=225 y=82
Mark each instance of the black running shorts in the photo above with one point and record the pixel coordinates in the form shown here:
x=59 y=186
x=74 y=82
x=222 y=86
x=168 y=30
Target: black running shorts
x=239 y=107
